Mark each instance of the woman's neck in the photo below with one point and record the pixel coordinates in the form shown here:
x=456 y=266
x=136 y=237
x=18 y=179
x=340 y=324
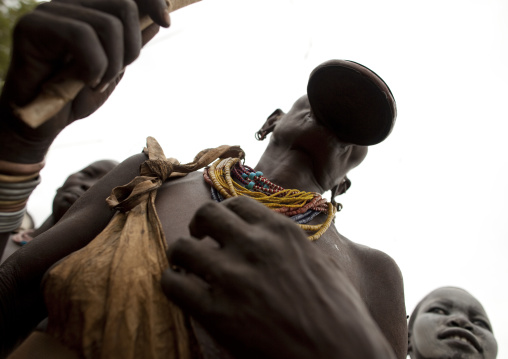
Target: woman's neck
x=291 y=169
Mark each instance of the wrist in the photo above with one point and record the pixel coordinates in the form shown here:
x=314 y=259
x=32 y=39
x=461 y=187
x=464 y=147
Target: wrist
x=17 y=182
x=19 y=143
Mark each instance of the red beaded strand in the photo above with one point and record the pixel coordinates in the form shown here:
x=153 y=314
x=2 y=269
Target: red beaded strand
x=241 y=174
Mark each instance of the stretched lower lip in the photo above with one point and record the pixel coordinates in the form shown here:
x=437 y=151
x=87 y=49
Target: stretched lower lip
x=460 y=341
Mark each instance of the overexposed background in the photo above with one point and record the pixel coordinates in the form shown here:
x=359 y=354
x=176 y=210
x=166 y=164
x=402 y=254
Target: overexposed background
x=433 y=195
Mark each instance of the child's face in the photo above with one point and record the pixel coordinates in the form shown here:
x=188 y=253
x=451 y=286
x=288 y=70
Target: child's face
x=451 y=323
x=77 y=184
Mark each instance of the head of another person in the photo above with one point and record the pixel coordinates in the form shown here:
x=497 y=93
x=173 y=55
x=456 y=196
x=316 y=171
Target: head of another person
x=76 y=184
x=346 y=109
x=449 y=323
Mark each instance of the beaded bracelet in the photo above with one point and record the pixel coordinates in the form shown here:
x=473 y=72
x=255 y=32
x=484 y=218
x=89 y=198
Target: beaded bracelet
x=10 y=221
x=21 y=188
x=16 y=179
x=12 y=206
x=12 y=168
x=17 y=182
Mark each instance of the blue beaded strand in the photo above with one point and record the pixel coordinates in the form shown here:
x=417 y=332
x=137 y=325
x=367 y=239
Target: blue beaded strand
x=306 y=217
x=216 y=196
x=301 y=218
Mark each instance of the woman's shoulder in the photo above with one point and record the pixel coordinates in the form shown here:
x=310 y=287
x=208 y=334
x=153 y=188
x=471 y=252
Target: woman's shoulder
x=382 y=283
x=375 y=259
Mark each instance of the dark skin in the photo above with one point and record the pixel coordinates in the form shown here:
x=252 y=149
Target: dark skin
x=73 y=188
x=45 y=44
x=450 y=323
x=256 y=253
x=289 y=161
x=370 y=289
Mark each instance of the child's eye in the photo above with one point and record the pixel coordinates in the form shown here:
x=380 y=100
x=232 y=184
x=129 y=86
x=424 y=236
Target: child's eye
x=87 y=173
x=437 y=310
x=481 y=323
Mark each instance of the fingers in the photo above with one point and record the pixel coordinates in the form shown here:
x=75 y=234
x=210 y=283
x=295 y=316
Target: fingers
x=42 y=42
x=249 y=210
x=197 y=257
x=156 y=9
x=236 y=220
x=91 y=41
x=217 y=221
x=127 y=12
x=116 y=23
x=265 y=225
x=187 y=291
x=95 y=27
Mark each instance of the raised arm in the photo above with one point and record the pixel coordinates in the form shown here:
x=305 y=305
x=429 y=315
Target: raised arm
x=21 y=302
x=88 y=40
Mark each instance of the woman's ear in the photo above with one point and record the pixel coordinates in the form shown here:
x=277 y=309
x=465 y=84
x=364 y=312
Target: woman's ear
x=269 y=124
x=339 y=189
x=342 y=187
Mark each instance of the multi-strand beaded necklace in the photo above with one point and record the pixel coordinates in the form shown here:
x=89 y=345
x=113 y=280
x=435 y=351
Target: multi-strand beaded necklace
x=230 y=178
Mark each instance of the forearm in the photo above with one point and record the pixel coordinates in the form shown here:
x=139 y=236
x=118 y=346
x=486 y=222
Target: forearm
x=21 y=160
x=4 y=237
x=17 y=182
x=21 y=308
x=22 y=305
x=18 y=142
x=21 y=302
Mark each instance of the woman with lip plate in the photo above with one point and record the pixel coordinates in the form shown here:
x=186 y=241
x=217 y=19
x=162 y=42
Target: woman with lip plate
x=450 y=323
x=311 y=149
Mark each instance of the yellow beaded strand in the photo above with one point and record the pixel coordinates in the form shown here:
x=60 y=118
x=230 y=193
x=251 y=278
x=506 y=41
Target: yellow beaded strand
x=227 y=169
x=220 y=175
x=332 y=210
x=215 y=181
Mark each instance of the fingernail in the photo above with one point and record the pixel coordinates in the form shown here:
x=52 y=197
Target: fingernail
x=104 y=88
x=166 y=18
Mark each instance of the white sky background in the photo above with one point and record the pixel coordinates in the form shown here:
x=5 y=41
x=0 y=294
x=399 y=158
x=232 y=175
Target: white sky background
x=433 y=195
